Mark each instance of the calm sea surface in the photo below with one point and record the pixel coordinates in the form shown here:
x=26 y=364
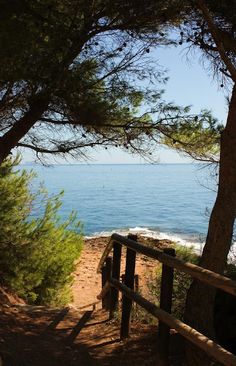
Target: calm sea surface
x=166 y=200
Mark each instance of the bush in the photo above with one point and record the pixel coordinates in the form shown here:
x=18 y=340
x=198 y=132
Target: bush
x=182 y=281
x=37 y=255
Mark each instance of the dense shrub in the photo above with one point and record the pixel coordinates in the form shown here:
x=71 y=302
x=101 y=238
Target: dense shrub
x=37 y=255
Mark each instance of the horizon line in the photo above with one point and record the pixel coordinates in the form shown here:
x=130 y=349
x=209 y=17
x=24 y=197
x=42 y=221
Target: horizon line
x=65 y=164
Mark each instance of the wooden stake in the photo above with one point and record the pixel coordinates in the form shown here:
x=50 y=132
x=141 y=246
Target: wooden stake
x=129 y=282
x=167 y=279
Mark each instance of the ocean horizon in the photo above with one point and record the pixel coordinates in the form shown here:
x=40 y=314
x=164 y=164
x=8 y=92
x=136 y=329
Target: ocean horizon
x=94 y=163
x=168 y=200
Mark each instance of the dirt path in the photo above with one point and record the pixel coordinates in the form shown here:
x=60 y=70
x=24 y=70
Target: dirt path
x=87 y=284
x=77 y=335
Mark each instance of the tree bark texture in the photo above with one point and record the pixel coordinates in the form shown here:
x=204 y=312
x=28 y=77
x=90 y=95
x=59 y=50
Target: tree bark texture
x=21 y=127
x=201 y=298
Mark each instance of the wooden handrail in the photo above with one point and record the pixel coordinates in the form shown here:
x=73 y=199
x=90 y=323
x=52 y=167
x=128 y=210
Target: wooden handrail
x=204 y=275
x=210 y=347
x=169 y=261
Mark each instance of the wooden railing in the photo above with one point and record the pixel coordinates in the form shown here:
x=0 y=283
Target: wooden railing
x=111 y=285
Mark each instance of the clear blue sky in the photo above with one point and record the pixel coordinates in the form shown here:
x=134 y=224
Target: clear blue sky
x=189 y=84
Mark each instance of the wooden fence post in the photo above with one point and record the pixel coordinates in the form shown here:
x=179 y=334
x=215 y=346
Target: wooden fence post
x=167 y=279
x=106 y=275
x=116 y=275
x=129 y=282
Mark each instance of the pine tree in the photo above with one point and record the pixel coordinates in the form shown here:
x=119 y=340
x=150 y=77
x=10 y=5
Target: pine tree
x=37 y=256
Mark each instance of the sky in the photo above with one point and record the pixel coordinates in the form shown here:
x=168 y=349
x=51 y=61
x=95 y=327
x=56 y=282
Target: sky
x=189 y=84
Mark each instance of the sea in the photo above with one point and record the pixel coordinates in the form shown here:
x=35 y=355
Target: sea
x=171 y=201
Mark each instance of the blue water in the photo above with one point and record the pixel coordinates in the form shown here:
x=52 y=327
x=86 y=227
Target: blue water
x=165 y=198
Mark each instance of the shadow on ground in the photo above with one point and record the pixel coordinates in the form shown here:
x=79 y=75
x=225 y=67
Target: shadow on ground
x=37 y=336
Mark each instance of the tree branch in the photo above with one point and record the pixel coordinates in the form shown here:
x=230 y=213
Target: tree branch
x=217 y=38
x=21 y=127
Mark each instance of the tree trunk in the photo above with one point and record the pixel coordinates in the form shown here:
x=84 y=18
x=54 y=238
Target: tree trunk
x=201 y=298
x=21 y=127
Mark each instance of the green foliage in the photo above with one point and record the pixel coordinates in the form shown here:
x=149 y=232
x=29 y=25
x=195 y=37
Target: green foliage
x=82 y=62
x=198 y=137
x=37 y=256
x=181 y=281
x=89 y=67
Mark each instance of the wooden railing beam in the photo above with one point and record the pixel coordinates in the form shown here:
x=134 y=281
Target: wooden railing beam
x=204 y=275
x=105 y=289
x=167 y=321
x=213 y=349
